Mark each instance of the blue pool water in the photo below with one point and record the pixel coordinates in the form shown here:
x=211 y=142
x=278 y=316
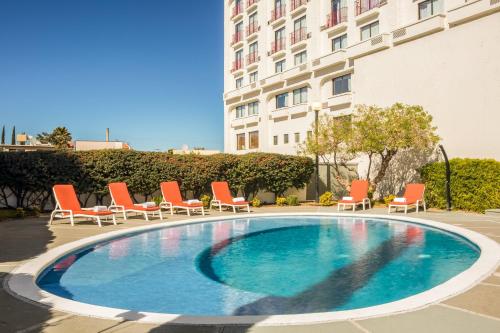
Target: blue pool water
x=262 y=266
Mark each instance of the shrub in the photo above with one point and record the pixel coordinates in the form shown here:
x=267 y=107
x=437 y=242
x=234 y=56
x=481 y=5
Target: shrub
x=205 y=199
x=280 y=201
x=29 y=176
x=20 y=213
x=326 y=199
x=388 y=199
x=157 y=200
x=292 y=200
x=256 y=202
x=475 y=184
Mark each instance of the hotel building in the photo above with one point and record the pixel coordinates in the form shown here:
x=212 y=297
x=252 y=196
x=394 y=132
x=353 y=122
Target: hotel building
x=283 y=56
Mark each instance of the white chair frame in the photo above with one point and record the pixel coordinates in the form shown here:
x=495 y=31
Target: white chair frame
x=416 y=204
x=354 y=204
x=121 y=209
x=169 y=206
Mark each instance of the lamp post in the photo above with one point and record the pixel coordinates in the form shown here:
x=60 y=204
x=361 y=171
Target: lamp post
x=316 y=108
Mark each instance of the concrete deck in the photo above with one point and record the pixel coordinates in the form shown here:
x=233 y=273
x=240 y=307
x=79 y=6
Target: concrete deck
x=478 y=309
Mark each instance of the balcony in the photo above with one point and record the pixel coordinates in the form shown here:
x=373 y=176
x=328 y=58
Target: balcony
x=340 y=100
x=237 y=66
x=297 y=6
x=471 y=11
x=335 y=20
x=298 y=36
x=252 y=29
x=367 y=9
x=237 y=11
x=280 y=113
x=253 y=58
x=298 y=109
x=237 y=38
x=251 y=5
x=248 y=120
x=419 y=29
x=278 y=47
x=369 y=46
x=278 y=15
x=333 y=59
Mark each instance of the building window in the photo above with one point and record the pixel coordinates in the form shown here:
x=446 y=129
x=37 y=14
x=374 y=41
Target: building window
x=279 y=66
x=300 y=96
x=275 y=140
x=285 y=138
x=342 y=84
x=300 y=58
x=369 y=30
x=239 y=83
x=297 y=137
x=339 y=43
x=240 y=141
x=429 y=8
x=240 y=111
x=253 y=140
x=253 y=77
x=253 y=108
x=281 y=101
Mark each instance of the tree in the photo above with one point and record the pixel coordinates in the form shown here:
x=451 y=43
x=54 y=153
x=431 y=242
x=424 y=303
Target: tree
x=333 y=144
x=385 y=132
x=3 y=135
x=43 y=137
x=59 y=137
x=13 y=138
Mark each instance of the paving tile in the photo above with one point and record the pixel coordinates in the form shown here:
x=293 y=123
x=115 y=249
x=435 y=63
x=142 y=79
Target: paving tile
x=76 y=324
x=482 y=299
x=434 y=319
x=336 y=327
x=493 y=280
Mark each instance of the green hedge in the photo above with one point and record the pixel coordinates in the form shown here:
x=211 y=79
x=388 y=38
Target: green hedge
x=475 y=184
x=29 y=176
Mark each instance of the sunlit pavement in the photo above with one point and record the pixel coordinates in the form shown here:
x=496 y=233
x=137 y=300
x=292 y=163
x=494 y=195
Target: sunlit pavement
x=477 y=310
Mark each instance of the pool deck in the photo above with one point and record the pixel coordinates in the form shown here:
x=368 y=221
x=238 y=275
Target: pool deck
x=476 y=310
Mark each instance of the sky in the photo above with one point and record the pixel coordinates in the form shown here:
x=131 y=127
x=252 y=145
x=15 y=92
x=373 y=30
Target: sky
x=150 y=70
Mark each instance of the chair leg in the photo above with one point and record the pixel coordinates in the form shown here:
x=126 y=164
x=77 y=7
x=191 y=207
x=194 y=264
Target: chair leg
x=338 y=207
x=188 y=211
x=125 y=215
x=99 y=222
x=161 y=215
x=146 y=216
x=203 y=211
x=389 y=210
x=171 y=210
x=353 y=207
x=72 y=220
x=369 y=204
x=234 y=209
x=425 y=208
x=52 y=217
x=114 y=219
x=363 y=205
x=248 y=208
x=417 y=206
x=406 y=209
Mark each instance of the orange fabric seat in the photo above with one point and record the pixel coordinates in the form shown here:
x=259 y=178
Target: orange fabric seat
x=172 y=198
x=67 y=205
x=222 y=197
x=359 y=194
x=122 y=202
x=414 y=196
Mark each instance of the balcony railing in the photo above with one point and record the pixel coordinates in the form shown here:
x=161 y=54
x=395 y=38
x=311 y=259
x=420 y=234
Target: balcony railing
x=251 y=2
x=298 y=35
x=252 y=58
x=363 y=6
x=252 y=28
x=336 y=17
x=278 y=12
x=278 y=45
x=294 y=4
x=238 y=9
x=237 y=65
x=237 y=37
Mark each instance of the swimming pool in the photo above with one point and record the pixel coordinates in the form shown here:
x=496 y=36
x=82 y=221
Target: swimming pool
x=262 y=266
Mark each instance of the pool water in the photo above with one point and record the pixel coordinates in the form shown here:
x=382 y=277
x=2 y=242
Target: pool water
x=262 y=266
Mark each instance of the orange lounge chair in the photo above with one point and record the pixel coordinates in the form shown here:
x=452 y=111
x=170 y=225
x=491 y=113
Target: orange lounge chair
x=357 y=196
x=172 y=199
x=414 y=196
x=222 y=197
x=67 y=205
x=121 y=202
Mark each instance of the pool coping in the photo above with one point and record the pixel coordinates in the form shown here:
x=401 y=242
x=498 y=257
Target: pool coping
x=21 y=282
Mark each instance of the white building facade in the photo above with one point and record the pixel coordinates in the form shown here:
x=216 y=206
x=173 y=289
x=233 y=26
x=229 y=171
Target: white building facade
x=283 y=56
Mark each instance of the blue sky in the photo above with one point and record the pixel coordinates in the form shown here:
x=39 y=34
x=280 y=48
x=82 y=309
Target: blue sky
x=150 y=70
